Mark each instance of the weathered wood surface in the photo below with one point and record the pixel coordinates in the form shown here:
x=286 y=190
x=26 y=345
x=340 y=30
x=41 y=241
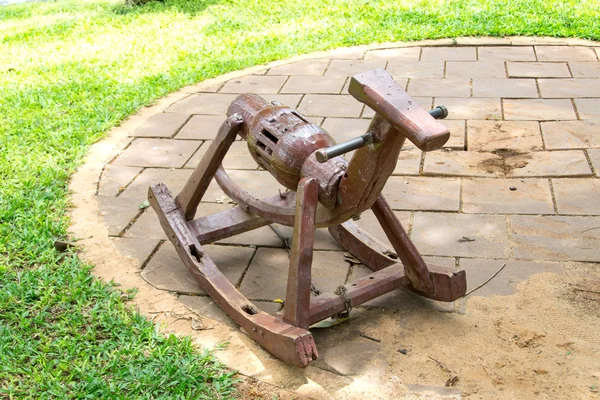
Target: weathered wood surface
x=378 y=90
x=297 y=297
x=289 y=343
x=196 y=186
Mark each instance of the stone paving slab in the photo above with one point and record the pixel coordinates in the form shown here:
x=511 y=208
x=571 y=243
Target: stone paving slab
x=161 y=125
x=539 y=110
x=537 y=70
x=506 y=53
x=476 y=69
x=517 y=183
x=523 y=136
x=505 y=283
x=115 y=178
x=594 y=155
x=461 y=235
x=166 y=270
x=588 y=108
x=577 y=196
x=157 y=153
x=555 y=237
x=515 y=88
x=507 y=196
x=585 y=69
x=571 y=134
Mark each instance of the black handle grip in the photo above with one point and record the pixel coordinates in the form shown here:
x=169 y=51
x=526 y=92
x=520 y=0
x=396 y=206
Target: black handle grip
x=440 y=112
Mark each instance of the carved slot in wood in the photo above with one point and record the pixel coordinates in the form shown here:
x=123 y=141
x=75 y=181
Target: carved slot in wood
x=264 y=147
x=195 y=253
x=300 y=116
x=270 y=136
x=249 y=309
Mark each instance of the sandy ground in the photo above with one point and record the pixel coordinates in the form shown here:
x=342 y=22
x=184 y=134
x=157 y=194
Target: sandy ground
x=543 y=342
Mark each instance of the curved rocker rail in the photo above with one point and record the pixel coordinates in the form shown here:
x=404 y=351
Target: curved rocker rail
x=286 y=342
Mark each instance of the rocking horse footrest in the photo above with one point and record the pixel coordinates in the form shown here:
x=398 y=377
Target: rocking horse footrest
x=358 y=292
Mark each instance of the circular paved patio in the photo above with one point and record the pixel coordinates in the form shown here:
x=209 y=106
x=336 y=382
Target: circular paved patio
x=517 y=184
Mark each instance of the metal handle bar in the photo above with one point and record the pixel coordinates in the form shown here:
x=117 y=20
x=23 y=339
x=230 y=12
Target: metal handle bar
x=322 y=155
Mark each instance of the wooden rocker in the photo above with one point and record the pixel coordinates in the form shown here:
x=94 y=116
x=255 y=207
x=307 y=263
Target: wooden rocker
x=325 y=191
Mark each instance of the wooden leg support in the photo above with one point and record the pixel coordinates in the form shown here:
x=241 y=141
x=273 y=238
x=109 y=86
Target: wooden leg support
x=196 y=186
x=297 y=297
x=416 y=269
x=446 y=284
x=287 y=342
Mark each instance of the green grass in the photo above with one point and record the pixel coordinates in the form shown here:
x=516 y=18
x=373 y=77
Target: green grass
x=70 y=70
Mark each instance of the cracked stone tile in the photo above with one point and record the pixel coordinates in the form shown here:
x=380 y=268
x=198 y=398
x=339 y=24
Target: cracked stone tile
x=494 y=196
x=566 y=238
x=166 y=271
x=266 y=278
x=352 y=355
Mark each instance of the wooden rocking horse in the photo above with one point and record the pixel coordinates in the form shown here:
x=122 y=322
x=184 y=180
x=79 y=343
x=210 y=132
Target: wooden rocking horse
x=325 y=191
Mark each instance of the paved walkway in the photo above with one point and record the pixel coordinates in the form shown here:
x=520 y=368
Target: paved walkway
x=518 y=182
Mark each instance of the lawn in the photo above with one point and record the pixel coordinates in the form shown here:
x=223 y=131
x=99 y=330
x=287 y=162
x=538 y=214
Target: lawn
x=70 y=70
